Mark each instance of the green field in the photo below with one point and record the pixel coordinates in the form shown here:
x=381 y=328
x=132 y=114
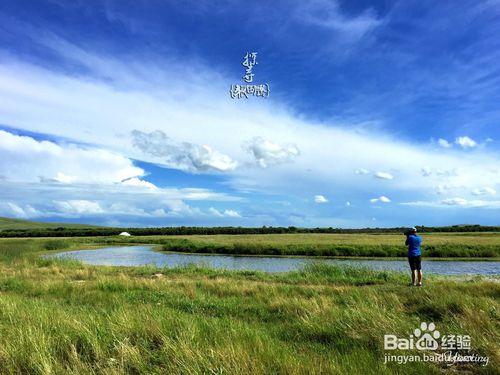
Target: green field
x=484 y=245
x=60 y=317
x=435 y=245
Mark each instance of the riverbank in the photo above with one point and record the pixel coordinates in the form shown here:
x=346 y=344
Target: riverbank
x=63 y=316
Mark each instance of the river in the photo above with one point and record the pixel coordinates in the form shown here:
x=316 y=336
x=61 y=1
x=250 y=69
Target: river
x=144 y=255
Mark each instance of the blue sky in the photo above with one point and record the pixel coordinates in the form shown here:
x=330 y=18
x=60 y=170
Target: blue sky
x=380 y=113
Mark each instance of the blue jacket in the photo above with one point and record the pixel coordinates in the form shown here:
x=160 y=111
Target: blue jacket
x=413 y=241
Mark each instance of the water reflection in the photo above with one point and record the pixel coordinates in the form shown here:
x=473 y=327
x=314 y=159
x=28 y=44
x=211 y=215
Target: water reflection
x=143 y=255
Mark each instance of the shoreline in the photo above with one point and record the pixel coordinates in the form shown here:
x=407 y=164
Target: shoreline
x=154 y=247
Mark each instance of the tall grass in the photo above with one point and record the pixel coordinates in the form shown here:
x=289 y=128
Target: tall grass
x=358 y=250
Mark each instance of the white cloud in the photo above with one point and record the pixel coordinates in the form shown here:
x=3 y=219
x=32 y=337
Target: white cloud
x=444 y=143
x=61 y=177
x=384 y=176
x=26 y=159
x=159 y=212
x=113 y=201
x=446 y=189
x=226 y=213
x=268 y=153
x=79 y=206
x=484 y=191
x=11 y=209
x=441 y=189
x=123 y=209
x=186 y=156
x=231 y=213
x=144 y=206
x=117 y=206
x=361 y=171
x=465 y=142
x=178 y=209
x=16 y=210
x=170 y=209
x=456 y=202
x=320 y=199
x=199 y=194
x=382 y=199
x=137 y=182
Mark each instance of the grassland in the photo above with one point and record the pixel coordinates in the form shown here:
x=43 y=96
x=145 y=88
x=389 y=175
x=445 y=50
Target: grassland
x=437 y=245
x=64 y=317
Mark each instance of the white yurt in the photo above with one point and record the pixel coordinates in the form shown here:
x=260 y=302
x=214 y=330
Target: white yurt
x=126 y=234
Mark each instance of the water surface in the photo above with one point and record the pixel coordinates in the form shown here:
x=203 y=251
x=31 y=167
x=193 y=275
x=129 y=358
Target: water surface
x=143 y=255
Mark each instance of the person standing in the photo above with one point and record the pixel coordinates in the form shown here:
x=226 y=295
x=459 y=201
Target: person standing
x=414 y=241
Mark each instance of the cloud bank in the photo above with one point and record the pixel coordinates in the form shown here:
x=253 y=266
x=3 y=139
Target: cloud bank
x=25 y=159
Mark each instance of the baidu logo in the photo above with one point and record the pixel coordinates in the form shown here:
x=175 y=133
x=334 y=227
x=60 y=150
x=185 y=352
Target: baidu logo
x=423 y=338
x=429 y=345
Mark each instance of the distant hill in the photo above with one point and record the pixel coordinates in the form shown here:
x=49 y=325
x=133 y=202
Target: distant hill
x=8 y=223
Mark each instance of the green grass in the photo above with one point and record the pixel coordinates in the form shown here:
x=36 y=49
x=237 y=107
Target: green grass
x=8 y=223
x=63 y=317
x=436 y=245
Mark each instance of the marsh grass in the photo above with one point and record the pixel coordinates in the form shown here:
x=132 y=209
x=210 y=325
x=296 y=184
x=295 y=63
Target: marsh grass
x=63 y=317
x=436 y=245
x=349 y=250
